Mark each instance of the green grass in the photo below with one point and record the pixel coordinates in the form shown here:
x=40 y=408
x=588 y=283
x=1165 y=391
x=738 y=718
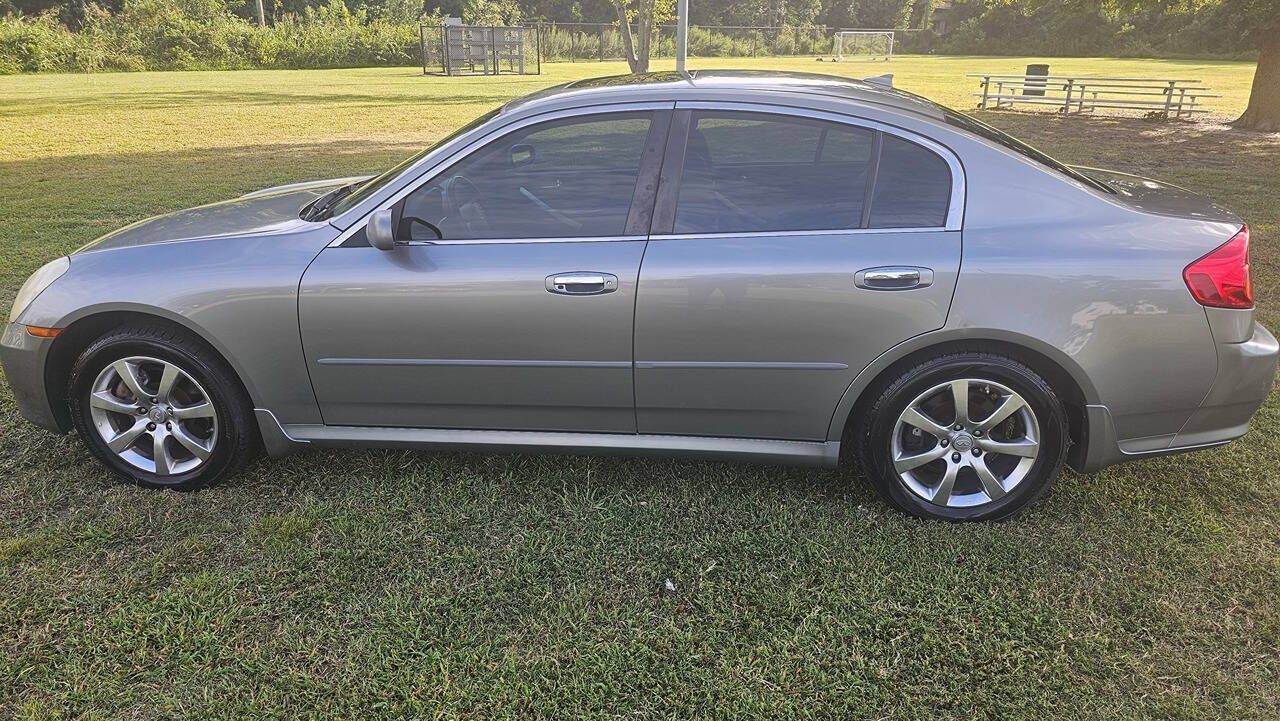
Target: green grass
x=385 y=584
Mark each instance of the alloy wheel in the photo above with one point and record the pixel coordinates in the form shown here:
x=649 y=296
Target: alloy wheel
x=153 y=415
x=965 y=443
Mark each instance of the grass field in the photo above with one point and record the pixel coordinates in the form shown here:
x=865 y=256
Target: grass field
x=387 y=584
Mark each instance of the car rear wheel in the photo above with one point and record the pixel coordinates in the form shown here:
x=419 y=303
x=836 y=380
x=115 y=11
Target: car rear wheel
x=159 y=408
x=967 y=436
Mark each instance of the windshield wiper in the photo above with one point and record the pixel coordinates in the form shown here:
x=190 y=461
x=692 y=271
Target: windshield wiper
x=320 y=207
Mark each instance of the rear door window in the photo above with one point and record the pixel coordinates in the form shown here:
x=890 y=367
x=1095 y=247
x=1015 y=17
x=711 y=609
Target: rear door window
x=747 y=172
x=760 y=172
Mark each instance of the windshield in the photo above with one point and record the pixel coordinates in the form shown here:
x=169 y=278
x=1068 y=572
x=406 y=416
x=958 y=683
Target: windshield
x=359 y=194
x=977 y=127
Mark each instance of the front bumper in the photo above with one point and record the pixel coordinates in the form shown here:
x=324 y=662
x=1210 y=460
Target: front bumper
x=23 y=357
x=1246 y=371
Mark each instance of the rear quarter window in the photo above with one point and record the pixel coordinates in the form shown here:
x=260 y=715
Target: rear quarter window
x=913 y=186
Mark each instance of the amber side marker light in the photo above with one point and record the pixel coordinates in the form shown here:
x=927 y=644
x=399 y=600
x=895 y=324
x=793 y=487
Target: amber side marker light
x=39 y=332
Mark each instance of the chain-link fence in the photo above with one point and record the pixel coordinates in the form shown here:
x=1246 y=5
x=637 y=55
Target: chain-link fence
x=581 y=42
x=602 y=41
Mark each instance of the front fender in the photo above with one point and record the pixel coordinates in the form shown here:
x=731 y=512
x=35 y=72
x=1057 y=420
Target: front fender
x=238 y=294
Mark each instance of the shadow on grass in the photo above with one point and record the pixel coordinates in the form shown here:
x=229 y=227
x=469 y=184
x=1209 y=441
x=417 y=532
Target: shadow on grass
x=144 y=99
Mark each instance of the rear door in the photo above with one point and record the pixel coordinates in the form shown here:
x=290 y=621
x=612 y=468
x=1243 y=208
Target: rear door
x=789 y=249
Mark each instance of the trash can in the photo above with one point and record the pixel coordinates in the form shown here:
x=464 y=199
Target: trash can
x=1035 y=87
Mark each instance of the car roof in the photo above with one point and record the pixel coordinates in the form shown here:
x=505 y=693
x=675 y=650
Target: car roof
x=753 y=84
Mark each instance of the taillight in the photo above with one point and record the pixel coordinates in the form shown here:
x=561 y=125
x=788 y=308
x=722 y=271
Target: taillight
x=1221 y=278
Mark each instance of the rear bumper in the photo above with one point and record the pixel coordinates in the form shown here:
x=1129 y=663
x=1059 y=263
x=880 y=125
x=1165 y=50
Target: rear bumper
x=1246 y=371
x=23 y=358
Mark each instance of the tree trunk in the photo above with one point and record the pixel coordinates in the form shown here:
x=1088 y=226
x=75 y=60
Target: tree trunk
x=645 y=31
x=628 y=45
x=1263 y=112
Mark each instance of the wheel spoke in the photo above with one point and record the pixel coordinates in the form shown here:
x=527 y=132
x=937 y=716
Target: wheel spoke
x=168 y=378
x=1010 y=406
x=960 y=396
x=990 y=483
x=1024 y=448
x=197 y=448
x=125 y=439
x=128 y=373
x=902 y=464
x=913 y=417
x=203 y=409
x=160 y=452
x=108 y=402
x=942 y=494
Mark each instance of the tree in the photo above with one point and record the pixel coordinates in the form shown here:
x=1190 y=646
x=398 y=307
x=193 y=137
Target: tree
x=1262 y=18
x=1252 y=21
x=646 y=14
x=882 y=13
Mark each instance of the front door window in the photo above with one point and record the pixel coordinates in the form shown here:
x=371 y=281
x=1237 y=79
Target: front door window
x=567 y=178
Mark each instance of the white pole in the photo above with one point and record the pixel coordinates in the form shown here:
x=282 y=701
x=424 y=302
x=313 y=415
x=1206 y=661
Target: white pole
x=682 y=33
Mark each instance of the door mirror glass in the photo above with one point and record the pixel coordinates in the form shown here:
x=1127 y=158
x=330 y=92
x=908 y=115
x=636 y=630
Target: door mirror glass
x=379 y=230
x=522 y=154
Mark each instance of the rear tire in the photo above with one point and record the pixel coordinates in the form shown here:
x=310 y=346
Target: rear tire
x=159 y=408
x=964 y=437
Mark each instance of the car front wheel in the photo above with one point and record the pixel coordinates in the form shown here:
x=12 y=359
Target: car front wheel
x=159 y=408
x=966 y=436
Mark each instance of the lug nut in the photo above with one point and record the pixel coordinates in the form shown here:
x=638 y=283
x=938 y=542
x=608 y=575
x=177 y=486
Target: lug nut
x=155 y=400
x=151 y=426
x=977 y=433
x=977 y=451
x=142 y=411
x=944 y=442
x=168 y=426
x=955 y=457
x=959 y=427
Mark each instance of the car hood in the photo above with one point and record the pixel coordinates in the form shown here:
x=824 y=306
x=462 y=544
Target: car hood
x=1154 y=196
x=267 y=211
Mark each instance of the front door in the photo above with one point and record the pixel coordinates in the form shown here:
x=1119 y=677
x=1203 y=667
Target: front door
x=788 y=254
x=510 y=304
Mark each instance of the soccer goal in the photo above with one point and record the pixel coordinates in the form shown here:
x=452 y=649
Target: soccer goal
x=871 y=44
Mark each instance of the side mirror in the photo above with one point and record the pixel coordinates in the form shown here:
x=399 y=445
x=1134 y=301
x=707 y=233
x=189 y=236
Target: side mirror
x=522 y=154
x=379 y=231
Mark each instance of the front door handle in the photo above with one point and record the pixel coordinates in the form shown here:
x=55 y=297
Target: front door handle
x=893 y=277
x=582 y=283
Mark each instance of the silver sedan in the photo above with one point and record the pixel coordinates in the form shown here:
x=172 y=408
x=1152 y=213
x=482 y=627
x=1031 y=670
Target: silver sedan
x=761 y=266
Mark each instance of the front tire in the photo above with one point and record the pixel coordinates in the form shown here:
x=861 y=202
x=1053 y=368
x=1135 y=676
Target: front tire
x=160 y=409
x=964 y=437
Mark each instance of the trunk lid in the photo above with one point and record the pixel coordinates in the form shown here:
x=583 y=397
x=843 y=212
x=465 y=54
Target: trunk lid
x=1154 y=196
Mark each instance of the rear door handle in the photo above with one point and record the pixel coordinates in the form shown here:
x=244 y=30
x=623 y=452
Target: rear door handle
x=893 y=277
x=582 y=283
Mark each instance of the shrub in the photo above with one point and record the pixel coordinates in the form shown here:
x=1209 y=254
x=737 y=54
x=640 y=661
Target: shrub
x=202 y=35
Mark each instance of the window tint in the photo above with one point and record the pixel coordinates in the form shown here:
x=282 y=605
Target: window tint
x=568 y=178
x=753 y=172
x=757 y=139
x=913 y=186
